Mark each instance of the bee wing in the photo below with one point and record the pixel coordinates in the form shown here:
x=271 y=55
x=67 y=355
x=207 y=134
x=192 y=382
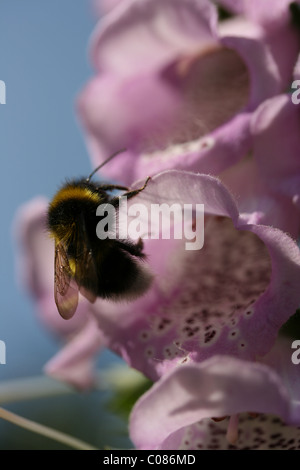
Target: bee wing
x=65 y=288
x=85 y=268
x=86 y=274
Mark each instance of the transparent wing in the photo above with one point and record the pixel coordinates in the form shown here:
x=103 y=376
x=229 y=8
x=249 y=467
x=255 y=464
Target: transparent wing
x=85 y=266
x=65 y=287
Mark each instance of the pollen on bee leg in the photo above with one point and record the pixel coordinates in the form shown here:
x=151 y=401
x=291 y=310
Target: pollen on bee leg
x=232 y=430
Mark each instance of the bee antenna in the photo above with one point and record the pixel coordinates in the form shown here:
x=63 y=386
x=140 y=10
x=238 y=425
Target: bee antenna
x=104 y=163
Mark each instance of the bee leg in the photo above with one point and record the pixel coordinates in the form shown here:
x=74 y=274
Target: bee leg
x=112 y=187
x=134 y=192
x=140 y=244
x=115 y=201
x=140 y=247
x=135 y=249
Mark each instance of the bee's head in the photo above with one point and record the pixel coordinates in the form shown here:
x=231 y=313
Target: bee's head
x=67 y=207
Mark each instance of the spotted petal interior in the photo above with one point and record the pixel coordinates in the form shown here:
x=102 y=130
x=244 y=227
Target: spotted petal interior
x=215 y=288
x=264 y=432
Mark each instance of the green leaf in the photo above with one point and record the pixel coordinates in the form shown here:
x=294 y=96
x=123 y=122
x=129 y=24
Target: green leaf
x=127 y=385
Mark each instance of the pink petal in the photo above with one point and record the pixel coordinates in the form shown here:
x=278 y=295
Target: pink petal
x=279 y=358
x=74 y=364
x=275 y=126
x=284 y=46
x=210 y=154
x=230 y=297
x=165 y=30
x=297 y=69
x=264 y=432
x=260 y=12
x=192 y=123
x=30 y=224
x=117 y=126
x=257 y=201
x=120 y=102
x=35 y=266
x=198 y=120
x=218 y=387
x=263 y=70
x=101 y=7
x=272 y=27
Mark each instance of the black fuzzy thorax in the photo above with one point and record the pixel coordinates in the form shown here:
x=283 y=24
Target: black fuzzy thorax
x=73 y=220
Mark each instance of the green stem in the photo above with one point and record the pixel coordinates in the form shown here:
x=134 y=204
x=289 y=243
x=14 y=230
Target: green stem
x=45 y=431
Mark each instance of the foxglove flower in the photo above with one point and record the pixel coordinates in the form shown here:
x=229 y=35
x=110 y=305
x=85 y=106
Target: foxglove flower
x=230 y=297
x=102 y=7
x=257 y=199
x=266 y=182
x=174 y=89
x=35 y=269
x=275 y=24
x=253 y=406
x=275 y=127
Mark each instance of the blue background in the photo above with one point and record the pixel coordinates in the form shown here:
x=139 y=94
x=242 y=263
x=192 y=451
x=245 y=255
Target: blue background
x=44 y=64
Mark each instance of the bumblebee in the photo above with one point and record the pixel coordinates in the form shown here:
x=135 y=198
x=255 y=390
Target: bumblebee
x=110 y=268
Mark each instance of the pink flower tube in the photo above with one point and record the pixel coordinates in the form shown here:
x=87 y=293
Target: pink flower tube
x=176 y=88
